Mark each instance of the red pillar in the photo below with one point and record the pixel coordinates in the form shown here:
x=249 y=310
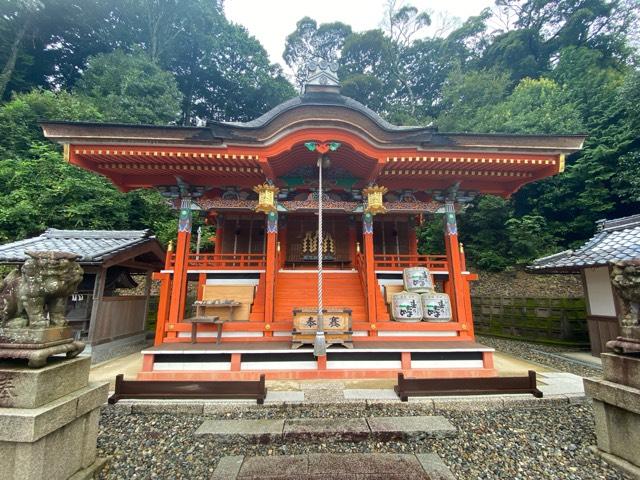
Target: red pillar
x=457 y=290
x=413 y=237
x=272 y=260
x=282 y=244
x=202 y=281
x=352 y=240
x=219 y=233
x=163 y=304
x=179 y=287
x=372 y=282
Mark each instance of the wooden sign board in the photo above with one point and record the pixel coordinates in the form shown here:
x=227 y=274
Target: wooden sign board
x=336 y=323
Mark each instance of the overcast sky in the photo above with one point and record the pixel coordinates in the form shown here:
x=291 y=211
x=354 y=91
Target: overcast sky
x=270 y=21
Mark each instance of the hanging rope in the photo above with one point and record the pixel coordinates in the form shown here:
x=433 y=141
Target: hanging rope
x=319 y=344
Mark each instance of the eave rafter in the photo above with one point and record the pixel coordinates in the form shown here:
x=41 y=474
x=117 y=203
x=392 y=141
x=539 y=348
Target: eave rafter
x=397 y=166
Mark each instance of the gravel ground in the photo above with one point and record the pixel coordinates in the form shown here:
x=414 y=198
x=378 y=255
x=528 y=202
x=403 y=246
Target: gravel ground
x=541 y=354
x=513 y=443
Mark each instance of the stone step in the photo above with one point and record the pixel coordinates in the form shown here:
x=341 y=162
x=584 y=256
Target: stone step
x=336 y=466
x=340 y=429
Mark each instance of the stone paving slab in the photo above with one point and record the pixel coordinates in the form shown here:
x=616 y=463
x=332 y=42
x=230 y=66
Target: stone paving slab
x=334 y=466
x=401 y=427
x=347 y=429
x=282 y=396
x=337 y=429
x=434 y=465
x=370 y=394
x=256 y=431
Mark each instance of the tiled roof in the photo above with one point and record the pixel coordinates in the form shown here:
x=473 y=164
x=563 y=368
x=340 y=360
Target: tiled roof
x=93 y=246
x=617 y=239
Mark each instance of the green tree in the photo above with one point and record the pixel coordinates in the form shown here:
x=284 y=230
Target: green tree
x=535 y=106
x=130 y=88
x=467 y=95
x=38 y=189
x=19 y=117
x=309 y=41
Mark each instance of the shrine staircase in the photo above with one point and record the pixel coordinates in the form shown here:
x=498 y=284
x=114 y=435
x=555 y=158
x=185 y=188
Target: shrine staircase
x=299 y=290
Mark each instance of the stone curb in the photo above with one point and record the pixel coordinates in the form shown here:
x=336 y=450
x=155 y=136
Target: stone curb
x=214 y=407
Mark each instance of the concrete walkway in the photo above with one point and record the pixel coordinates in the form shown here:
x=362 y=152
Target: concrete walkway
x=129 y=365
x=334 y=466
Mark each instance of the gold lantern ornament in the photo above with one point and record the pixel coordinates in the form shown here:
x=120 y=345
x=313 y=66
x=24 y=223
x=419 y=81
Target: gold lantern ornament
x=374 y=195
x=266 y=197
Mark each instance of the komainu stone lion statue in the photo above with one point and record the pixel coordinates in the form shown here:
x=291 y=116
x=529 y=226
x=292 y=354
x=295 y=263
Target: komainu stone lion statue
x=40 y=287
x=625 y=279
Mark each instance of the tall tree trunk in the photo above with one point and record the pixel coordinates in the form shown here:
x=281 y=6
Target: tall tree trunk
x=10 y=64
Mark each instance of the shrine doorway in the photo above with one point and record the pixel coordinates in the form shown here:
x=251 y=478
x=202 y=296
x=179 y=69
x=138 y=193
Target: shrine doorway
x=300 y=241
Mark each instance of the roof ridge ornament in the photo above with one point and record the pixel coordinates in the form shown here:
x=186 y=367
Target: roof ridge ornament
x=322 y=76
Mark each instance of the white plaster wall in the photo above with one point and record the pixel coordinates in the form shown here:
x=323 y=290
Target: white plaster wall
x=600 y=295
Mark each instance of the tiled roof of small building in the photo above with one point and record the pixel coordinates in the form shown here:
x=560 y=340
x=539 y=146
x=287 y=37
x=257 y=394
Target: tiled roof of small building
x=93 y=246
x=617 y=239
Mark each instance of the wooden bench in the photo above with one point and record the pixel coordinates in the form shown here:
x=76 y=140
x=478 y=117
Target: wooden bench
x=426 y=387
x=190 y=390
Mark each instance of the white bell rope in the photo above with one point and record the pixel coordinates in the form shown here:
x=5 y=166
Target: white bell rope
x=319 y=343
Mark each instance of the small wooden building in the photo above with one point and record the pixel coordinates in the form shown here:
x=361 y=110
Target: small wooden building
x=617 y=239
x=101 y=312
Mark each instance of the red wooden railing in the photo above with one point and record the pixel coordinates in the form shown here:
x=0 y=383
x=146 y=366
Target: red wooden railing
x=224 y=261
x=361 y=267
x=396 y=262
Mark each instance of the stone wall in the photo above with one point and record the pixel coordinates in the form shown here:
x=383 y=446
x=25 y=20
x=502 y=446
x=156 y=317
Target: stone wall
x=523 y=284
x=548 y=320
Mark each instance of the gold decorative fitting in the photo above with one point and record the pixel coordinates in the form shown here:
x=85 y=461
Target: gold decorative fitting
x=373 y=326
x=266 y=197
x=357 y=247
x=561 y=163
x=374 y=195
x=170 y=246
x=66 y=152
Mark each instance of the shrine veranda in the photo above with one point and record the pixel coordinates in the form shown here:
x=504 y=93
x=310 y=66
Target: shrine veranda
x=264 y=258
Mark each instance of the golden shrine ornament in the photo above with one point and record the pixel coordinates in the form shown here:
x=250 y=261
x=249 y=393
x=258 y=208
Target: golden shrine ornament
x=266 y=197
x=375 y=203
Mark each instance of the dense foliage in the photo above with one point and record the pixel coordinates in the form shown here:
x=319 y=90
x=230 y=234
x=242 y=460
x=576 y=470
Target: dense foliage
x=552 y=67
x=524 y=66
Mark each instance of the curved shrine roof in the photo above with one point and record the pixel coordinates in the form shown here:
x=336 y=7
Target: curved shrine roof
x=244 y=154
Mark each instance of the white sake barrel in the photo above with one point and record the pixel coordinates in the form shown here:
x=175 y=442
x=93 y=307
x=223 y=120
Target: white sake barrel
x=406 y=307
x=436 y=307
x=417 y=279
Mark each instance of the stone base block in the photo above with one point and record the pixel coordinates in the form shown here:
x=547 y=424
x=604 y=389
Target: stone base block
x=30 y=388
x=617 y=417
x=54 y=441
x=621 y=369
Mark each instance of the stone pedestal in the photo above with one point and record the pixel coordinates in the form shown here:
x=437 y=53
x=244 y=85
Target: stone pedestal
x=616 y=402
x=49 y=420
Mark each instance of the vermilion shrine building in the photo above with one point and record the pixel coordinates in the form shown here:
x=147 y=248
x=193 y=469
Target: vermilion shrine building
x=266 y=263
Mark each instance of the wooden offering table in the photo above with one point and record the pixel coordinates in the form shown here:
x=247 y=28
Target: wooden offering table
x=201 y=316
